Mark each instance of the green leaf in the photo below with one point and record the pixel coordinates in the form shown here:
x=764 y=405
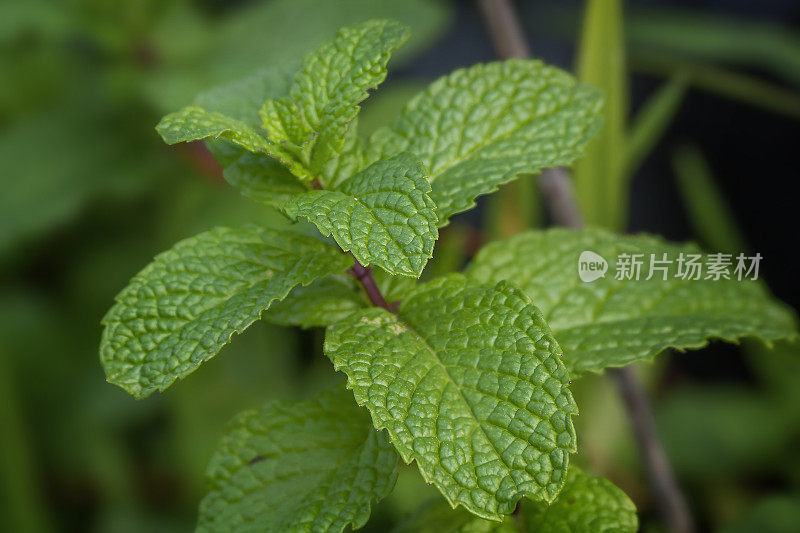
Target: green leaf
x=467 y=379
x=333 y=80
x=350 y=161
x=316 y=465
x=601 y=183
x=586 y=504
x=257 y=177
x=197 y=51
x=184 y=306
x=324 y=302
x=194 y=123
x=383 y=215
x=242 y=99
x=611 y=322
x=480 y=127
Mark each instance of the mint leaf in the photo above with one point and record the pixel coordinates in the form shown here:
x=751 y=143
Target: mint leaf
x=184 y=306
x=314 y=118
x=324 y=302
x=382 y=215
x=480 y=127
x=611 y=322
x=194 y=123
x=257 y=177
x=242 y=99
x=467 y=379
x=350 y=161
x=586 y=504
x=316 y=465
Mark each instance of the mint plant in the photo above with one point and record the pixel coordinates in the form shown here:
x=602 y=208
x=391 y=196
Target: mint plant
x=467 y=375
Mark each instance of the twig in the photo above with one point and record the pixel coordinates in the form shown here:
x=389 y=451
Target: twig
x=662 y=479
x=509 y=41
x=556 y=187
x=504 y=28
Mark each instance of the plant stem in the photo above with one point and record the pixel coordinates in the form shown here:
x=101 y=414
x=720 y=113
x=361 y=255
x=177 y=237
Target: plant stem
x=662 y=478
x=509 y=41
x=364 y=275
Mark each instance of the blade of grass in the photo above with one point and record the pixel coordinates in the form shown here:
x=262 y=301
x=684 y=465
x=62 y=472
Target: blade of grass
x=652 y=120
x=710 y=216
x=600 y=181
x=723 y=82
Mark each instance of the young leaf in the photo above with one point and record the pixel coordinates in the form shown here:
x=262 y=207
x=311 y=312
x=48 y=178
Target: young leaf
x=316 y=465
x=586 y=504
x=480 y=127
x=383 y=215
x=467 y=379
x=314 y=118
x=613 y=322
x=184 y=306
x=257 y=177
x=194 y=123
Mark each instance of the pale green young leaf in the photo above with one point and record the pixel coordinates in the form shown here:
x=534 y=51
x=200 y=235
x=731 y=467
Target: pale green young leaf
x=314 y=118
x=480 y=127
x=468 y=381
x=614 y=322
x=257 y=177
x=194 y=123
x=382 y=215
x=316 y=465
x=348 y=164
x=586 y=504
x=601 y=184
x=184 y=306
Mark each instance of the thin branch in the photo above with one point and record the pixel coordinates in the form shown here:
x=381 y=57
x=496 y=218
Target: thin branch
x=504 y=28
x=556 y=187
x=509 y=41
x=662 y=479
x=364 y=275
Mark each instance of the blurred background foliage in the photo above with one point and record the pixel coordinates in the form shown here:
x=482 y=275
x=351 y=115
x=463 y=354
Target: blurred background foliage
x=700 y=142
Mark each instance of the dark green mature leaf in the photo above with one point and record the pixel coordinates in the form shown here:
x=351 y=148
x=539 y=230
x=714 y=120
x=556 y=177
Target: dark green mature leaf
x=586 y=504
x=382 y=215
x=611 y=322
x=480 y=127
x=183 y=307
x=324 y=302
x=333 y=80
x=467 y=379
x=316 y=465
